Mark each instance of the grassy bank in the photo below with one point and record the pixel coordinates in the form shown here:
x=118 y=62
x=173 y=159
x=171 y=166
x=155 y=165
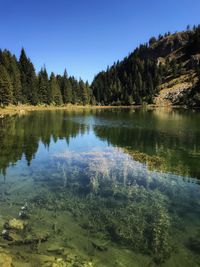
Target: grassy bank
x=22 y=109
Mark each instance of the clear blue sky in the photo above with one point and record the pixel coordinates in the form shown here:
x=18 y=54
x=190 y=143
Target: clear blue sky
x=86 y=36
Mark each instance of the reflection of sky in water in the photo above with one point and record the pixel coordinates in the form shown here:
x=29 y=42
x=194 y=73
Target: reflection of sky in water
x=82 y=142
x=88 y=142
x=86 y=151
x=109 y=163
x=93 y=155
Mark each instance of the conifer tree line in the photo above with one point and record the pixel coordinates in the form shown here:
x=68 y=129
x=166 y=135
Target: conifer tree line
x=134 y=80
x=19 y=84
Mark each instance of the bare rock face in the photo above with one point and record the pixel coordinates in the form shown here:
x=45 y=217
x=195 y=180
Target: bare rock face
x=185 y=95
x=13 y=229
x=178 y=96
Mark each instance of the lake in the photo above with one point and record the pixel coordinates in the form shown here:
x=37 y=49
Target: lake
x=100 y=187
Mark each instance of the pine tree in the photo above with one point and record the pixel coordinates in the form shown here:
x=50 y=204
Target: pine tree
x=28 y=79
x=54 y=91
x=139 y=82
x=10 y=63
x=77 y=96
x=43 y=86
x=75 y=89
x=16 y=82
x=152 y=41
x=66 y=89
x=84 y=93
x=6 y=89
x=89 y=93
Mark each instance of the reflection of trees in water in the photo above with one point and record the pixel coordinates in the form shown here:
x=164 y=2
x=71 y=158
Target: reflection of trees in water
x=171 y=140
x=20 y=135
x=172 y=136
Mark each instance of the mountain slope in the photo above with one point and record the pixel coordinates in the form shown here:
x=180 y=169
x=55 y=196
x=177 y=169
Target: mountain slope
x=165 y=71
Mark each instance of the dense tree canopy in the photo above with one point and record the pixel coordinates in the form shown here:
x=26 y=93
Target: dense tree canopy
x=6 y=88
x=19 y=83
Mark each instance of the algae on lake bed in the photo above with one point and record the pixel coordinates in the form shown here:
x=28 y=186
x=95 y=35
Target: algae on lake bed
x=82 y=202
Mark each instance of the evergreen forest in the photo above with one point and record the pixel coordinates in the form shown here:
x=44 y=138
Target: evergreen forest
x=133 y=81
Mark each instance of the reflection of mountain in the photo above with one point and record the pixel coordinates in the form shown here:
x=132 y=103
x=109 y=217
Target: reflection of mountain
x=21 y=135
x=174 y=137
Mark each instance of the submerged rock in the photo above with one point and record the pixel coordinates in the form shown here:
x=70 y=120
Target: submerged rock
x=23 y=215
x=13 y=229
x=59 y=263
x=5 y=260
x=99 y=246
x=25 y=207
x=71 y=261
x=6 y=236
x=16 y=224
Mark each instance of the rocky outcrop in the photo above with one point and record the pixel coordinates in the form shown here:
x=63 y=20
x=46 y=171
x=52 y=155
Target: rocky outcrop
x=176 y=97
x=181 y=91
x=185 y=95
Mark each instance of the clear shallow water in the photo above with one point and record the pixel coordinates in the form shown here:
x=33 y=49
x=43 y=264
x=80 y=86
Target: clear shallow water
x=102 y=187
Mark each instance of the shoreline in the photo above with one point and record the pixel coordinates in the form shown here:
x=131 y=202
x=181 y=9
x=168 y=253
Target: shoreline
x=23 y=109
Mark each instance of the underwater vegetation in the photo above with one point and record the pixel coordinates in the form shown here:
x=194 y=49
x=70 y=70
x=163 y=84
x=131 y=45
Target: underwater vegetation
x=111 y=199
x=158 y=163
x=69 y=198
x=120 y=198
